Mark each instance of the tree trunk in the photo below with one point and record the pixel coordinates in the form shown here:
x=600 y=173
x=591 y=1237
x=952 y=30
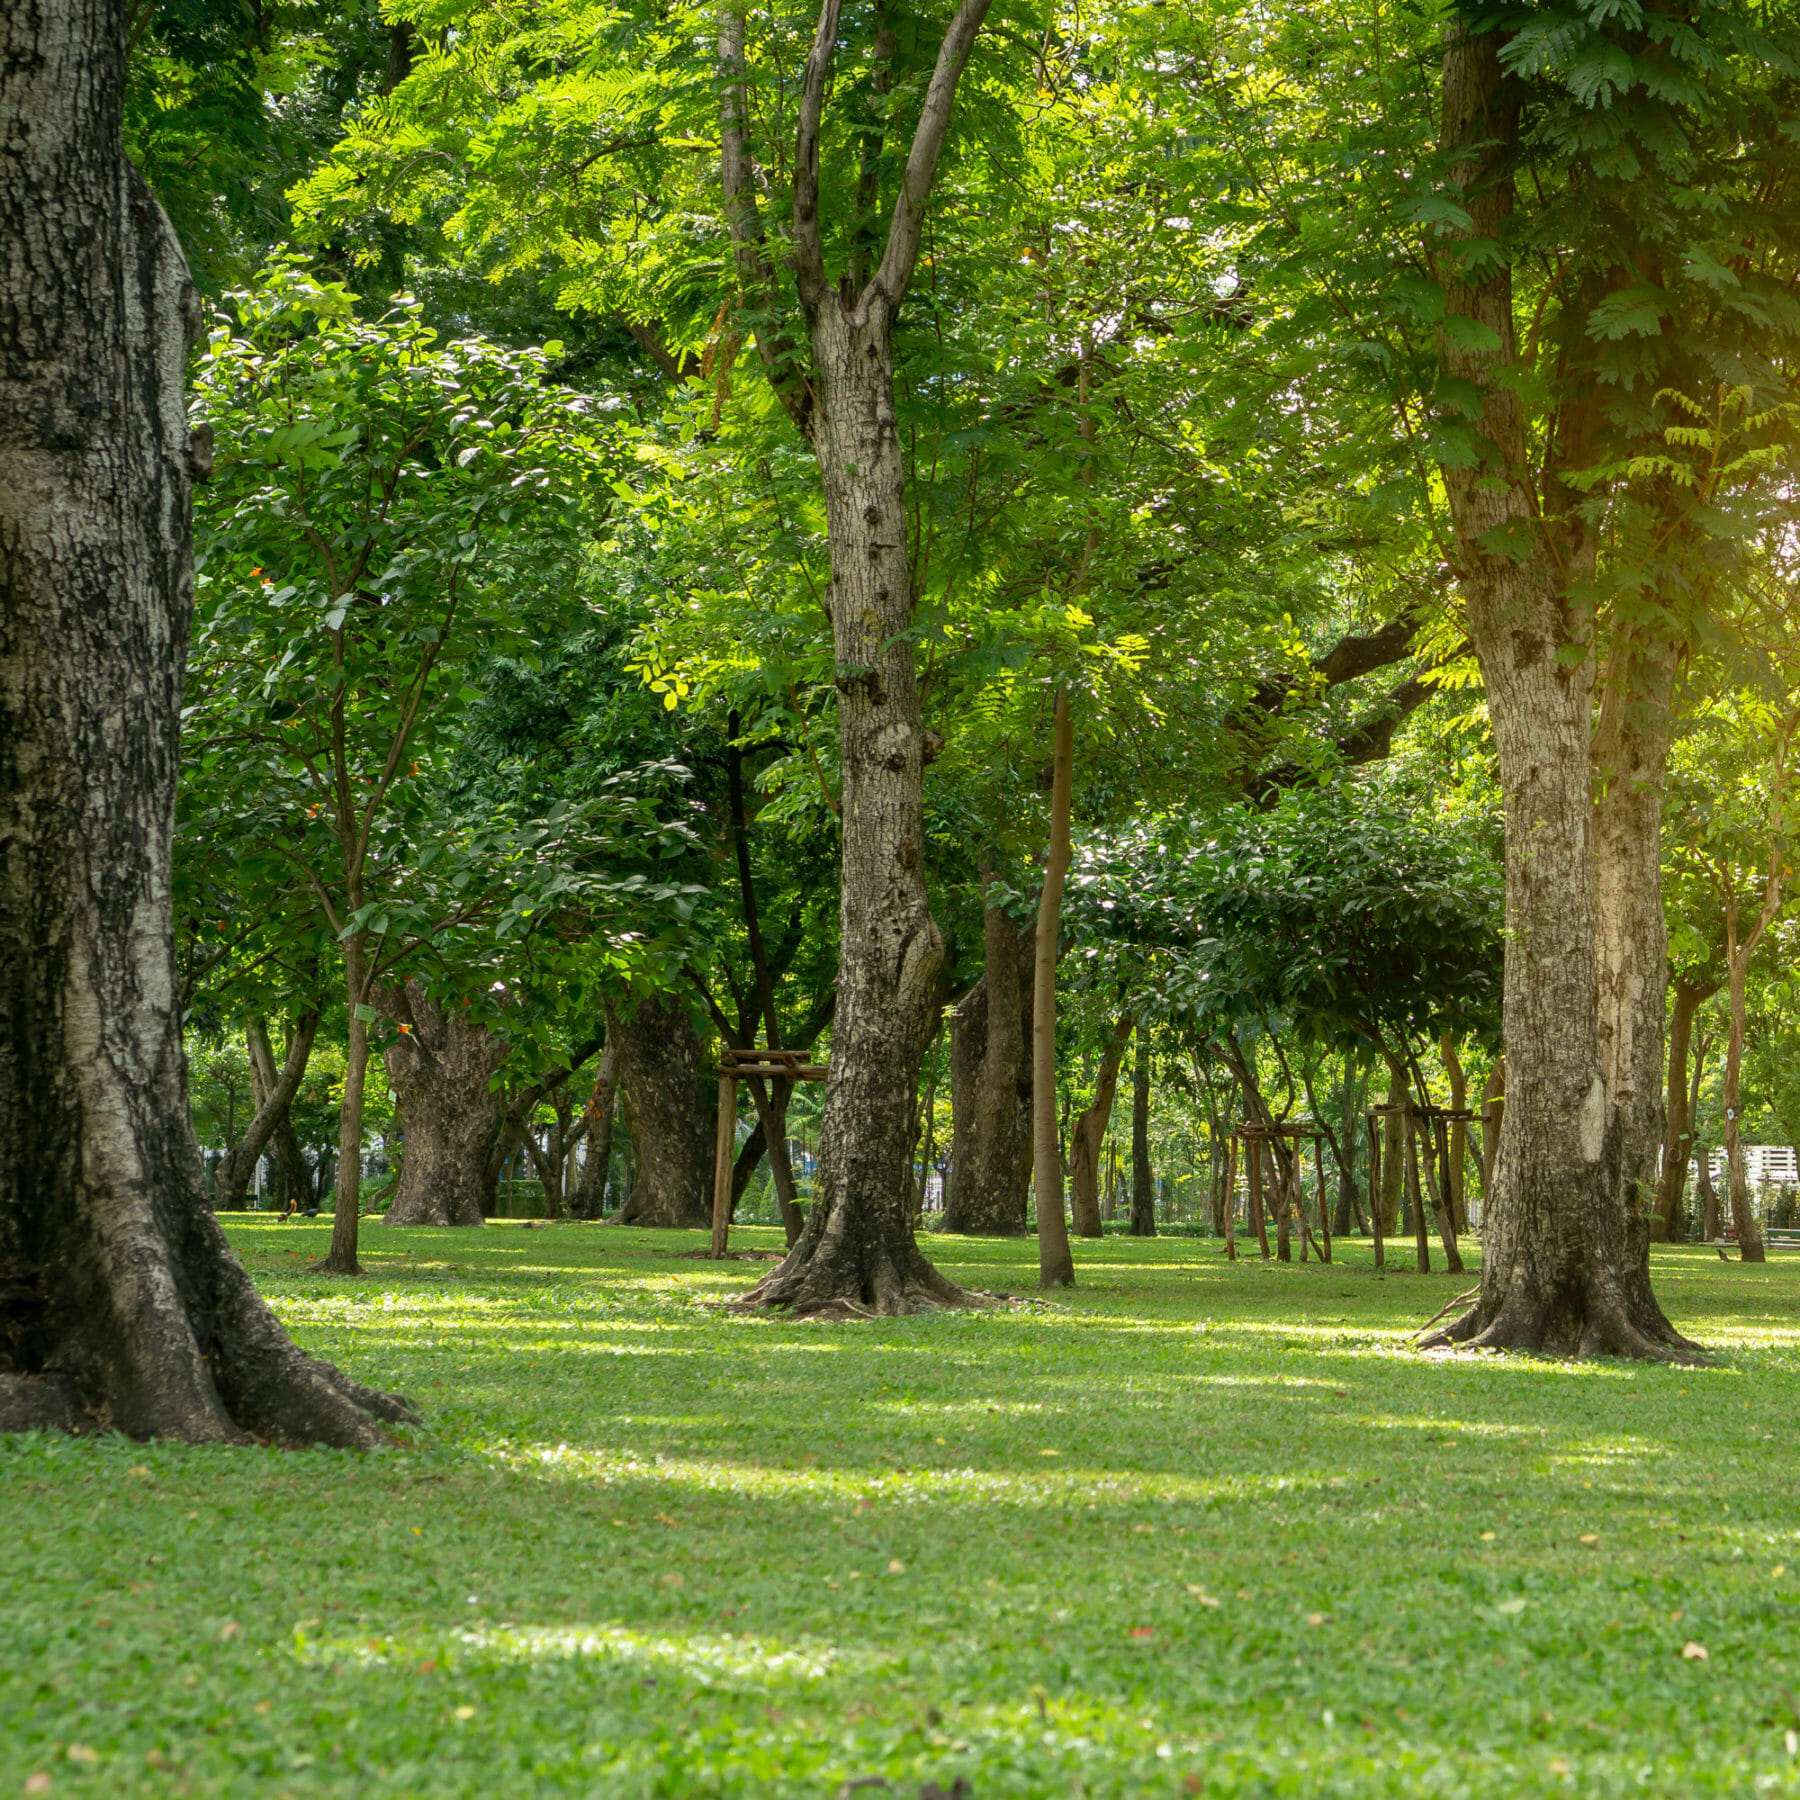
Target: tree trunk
x=341 y=1258
x=1056 y=1264
x=858 y=1251
x=1493 y=1109
x=1737 y=1182
x=1393 y=1158
x=120 y=1301
x=1143 y=1182
x=275 y=1090
x=590 y=1192
x=1678 y=1120
x=662 y=1070
x=441 y=1068
x=1712 y=1222
x=1563 y=1265
x=1457 y=1198
x=990 y=1083
x=1089 y=1134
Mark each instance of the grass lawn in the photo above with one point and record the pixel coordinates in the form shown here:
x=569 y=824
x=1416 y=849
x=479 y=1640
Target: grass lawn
x=1200 y=1529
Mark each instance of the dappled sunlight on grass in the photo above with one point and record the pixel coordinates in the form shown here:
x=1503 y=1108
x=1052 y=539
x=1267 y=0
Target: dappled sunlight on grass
x=1195 y=1522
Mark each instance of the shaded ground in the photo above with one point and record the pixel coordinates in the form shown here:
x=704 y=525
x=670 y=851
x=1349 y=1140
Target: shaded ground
x=643 y=1548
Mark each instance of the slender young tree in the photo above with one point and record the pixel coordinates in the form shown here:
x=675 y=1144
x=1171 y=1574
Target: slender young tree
x=123 y=1302
x=1056 y=1264
x=858 y=1249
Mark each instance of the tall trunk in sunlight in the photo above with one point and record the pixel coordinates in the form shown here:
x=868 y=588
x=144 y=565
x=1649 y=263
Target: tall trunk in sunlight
x=1086 y=1139
x=1056 y=1265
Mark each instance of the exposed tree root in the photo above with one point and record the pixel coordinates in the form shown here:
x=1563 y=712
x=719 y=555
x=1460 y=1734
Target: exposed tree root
x=1581 y=1321
x=835 y=1273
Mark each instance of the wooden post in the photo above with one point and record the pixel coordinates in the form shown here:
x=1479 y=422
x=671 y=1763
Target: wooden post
x=722 y=1160
x=1231 y=1198
x=1421 y=1237
x=1375 y=1189
x=1324 y=1204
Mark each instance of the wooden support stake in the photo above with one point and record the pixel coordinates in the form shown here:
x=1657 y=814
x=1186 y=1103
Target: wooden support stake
x=722 y=1160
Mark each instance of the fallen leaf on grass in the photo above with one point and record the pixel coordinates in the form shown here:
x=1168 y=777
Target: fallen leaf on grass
x=673 y=1580
x=465 y=1712
x=1143 y=1631
x=1049 y=1453
x=1693 y=1651
x=662 y=1518
x=1487 y=1537
x=1512 y=1608
x=1590 y=1537
x=37 y=1782
x=80 y=1753
x=896 y=1567
x=1200 y=1594
x=1315 y=1618
x=231 y=1629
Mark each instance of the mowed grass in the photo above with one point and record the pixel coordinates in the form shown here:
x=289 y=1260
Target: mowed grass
x=1199 y=1528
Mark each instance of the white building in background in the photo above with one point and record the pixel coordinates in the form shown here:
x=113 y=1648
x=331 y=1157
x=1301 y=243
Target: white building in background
x=1765 y=1165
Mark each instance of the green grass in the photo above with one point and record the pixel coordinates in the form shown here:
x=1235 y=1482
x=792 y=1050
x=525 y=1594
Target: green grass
x=643 y=1548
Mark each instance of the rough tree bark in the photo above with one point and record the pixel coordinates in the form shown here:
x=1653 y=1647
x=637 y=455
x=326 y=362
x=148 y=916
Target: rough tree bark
x=990 y=1083
x=1089 y=1134
x=1564 y=1264
x=1143 y=1180
x=275 y=1090
x=858 y=1252
x=120 y=1301
x=663 y=1073
x=1056 y=1264
x=1678 y=1122
x=441 y=1067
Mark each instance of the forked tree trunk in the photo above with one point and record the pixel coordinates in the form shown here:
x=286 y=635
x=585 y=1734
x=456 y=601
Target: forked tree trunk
x=1090 y=1133
x=275 y=1090
x=1563 y=1268
x=442 y=1068
x=990 y=1084
x=663 y=1073
x=120 y=1301
x=858 y=1252
x=1143 y=1179
x=1678 y=1123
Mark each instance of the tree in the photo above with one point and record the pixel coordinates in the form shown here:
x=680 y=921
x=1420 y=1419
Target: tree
x=386 y=507
x=124 y=1302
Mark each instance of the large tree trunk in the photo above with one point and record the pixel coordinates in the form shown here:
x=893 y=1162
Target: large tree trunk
x=275 y=1090
x=1143 y=1180
x=1563 y=1269
x=990 y=1084
x=120 y=1300
x=857 y=1250
x=662 y=1070
x=341 y=1258
x=441 y=1067
x=1678 y=1121
x=590 y=1191
x=1090 y=1133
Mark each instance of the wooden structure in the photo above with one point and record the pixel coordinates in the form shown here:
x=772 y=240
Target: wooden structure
x=1433 y=1124
x=1256 y=1136
x=736 y=1066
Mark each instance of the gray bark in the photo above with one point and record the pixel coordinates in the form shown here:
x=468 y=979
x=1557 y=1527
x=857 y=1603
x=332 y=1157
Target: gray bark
x=120 y=1301
x=590 y=1192
x=1563 y=1268
x=990 y=1085
x=441 y=1068
x=662 y=1070
x=857 y=1251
